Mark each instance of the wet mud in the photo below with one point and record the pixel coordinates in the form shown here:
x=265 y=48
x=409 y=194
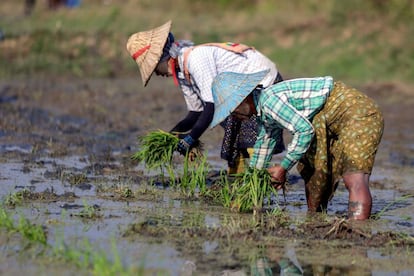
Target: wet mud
x=65 y=164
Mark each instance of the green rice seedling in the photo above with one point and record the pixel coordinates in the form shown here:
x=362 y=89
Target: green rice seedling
x=92 y=259
x=227 y=190
x=124 y=191
x=33 y=233
x=16 y=199
x=89 y=212
x=254 y=186
x=185 y=179
x=276 y=213
x=277 y=218
x=194 y=176
x=381 y=213
x=156 y=149
x=200 y=175
x=6 y=220
x=101 y=265
x=221 y=191
x=76 y=179
x=171 y=173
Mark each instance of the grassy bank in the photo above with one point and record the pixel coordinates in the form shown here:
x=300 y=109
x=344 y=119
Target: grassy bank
x=356 y=41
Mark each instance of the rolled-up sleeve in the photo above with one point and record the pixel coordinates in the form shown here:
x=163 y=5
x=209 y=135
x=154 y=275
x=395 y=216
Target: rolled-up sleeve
x=264 y=146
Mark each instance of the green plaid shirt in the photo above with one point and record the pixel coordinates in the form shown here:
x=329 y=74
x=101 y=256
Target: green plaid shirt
x=291 y=105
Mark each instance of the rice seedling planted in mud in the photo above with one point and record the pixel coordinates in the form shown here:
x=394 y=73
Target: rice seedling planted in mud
x=253 y=187
x=89 y=211
x=32 y=232
x=389 y=205
x=227 y=190
x=14 y=199
x=88 y=257
x=194 y=176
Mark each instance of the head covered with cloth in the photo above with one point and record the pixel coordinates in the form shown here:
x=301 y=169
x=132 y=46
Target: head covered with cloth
x=317 y=112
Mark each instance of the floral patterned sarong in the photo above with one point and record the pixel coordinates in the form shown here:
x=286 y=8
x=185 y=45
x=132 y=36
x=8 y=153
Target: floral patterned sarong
x=348 y=131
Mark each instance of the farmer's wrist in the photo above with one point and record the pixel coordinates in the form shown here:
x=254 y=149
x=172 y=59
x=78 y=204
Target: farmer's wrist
x=185 y=144
x=189 y=140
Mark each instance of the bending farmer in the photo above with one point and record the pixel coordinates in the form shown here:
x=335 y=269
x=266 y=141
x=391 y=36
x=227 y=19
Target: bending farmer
x=336 y=132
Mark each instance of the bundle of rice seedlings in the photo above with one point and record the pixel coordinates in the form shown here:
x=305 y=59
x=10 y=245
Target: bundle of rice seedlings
x=156 y=149
x=254 y=186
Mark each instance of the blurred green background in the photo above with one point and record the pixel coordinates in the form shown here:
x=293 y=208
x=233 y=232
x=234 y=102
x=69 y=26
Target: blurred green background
x=355 y=41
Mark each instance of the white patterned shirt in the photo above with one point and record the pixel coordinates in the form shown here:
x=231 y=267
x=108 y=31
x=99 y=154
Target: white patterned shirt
x=204 y=63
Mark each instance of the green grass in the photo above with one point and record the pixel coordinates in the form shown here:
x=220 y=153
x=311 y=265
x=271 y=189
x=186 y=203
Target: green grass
x=86 y=256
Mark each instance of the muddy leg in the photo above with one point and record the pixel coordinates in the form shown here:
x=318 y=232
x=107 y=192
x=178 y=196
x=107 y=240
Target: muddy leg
x=360 y=200
x=316 y=199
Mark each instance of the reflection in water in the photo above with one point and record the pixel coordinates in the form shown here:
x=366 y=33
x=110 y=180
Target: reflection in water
x=221 y=257
x=288 y=264
x=188 y=269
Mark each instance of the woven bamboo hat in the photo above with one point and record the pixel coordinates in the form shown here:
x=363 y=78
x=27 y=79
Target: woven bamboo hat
x=146 y=49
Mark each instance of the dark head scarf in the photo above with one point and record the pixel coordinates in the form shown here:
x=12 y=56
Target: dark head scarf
x=166 y=50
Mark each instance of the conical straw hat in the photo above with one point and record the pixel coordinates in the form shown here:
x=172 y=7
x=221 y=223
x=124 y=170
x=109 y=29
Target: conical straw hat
x=146 y=49
x=229 y=90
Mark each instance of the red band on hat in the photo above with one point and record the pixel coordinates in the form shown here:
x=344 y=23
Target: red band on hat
x=140 y=52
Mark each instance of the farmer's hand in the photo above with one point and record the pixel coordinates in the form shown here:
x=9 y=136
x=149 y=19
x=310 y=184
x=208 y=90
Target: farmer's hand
x=185 y=144
x=278 y=174
x=196 y=151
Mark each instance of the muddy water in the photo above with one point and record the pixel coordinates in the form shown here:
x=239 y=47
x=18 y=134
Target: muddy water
x=67 y=143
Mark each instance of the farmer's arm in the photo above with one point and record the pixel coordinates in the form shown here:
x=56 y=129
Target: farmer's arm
x=199 y=98
x=202 y=69
x=287 y=116
x=196 y=121
x=194 y=107
x=263 y=148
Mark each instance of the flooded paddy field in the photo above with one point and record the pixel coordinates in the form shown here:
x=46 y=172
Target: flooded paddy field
x=65 y=167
